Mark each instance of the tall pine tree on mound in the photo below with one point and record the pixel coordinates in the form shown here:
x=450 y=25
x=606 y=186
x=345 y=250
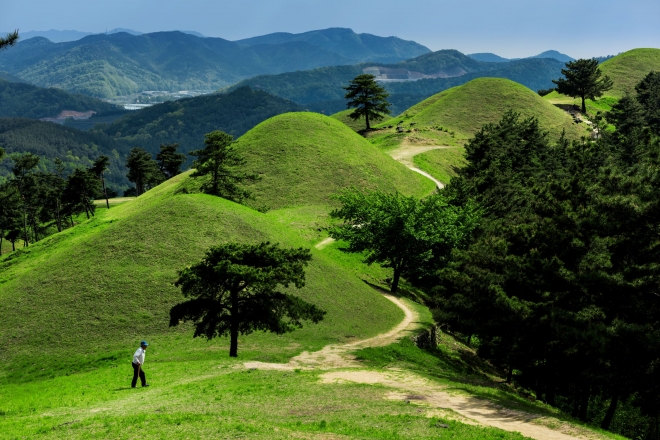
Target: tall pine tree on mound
x=221 y=162
x=234 y=290
x=583 y=80
x=367 y=98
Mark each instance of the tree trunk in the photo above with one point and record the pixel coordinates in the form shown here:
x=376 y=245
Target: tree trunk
x=509 y=374
x=366 y=117
x=395 y=279
x=86 y=210
x=25 y=232
x=59 y=220
x=13 y=246
x=233 y=347
x=609 y=415
x=584 y=106
x=105 y=193
x=469 y=339
x=1 y=235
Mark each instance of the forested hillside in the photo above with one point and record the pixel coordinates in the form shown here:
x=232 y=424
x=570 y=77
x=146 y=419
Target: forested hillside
x=345 y=42
x=186 y=121
x=27 y=101
x=119 y=64
x=75 y=148
x=321 y=89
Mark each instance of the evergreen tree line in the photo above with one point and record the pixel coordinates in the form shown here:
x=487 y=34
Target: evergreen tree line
x=559 y=284
x=34 y=203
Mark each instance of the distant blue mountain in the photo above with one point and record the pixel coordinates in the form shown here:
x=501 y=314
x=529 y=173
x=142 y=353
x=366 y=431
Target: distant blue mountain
x=65 y=36
x=492 y=58
x=54 y=35
x=488 y=57
x=554 y=54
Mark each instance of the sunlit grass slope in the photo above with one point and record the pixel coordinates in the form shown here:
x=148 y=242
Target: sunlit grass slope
x=463 y=110
x=92 y=291
x=629 y=68
x=305 y=158
x=356 y=124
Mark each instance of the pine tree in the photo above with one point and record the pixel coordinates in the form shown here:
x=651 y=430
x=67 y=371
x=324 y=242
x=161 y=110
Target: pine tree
x=221 y=162
x=368 y=98
x=234 y=289
x=9 y=40
x=169 y=161
x=583 y=80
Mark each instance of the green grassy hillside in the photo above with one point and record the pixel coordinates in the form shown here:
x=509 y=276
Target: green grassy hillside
x=465 y=109
x=629 y=68
x=356 y=125
x=78 y=297
x=305 y=158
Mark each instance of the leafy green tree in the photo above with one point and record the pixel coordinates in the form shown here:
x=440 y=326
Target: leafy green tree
x=220 y=161
x=367 y=98
x=2 y=154
x=648 y=95
x=234 y=289
x=582 y=79
x=627 y=115
x=100 y=166
x=404 y=233
x=9 y=40
x=169 y=161
x=81 y=189
x=24 y=165
x=142 y=170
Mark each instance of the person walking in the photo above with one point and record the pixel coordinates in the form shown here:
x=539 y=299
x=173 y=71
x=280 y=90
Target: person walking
x=138 y=362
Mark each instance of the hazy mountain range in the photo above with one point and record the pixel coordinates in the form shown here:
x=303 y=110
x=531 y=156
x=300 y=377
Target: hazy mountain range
x=493 y=58
x=109 y=65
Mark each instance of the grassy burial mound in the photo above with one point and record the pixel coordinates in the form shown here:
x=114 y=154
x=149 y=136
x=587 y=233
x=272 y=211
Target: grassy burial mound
x=629 y=68
x=355 y=124
x=465 y=109
x=305 y=158
x=77 y=298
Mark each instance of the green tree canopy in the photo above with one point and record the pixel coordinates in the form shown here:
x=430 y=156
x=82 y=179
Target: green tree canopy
x=560 y=280
x=367 y=98
x=582 y=79
x=648 y=95
x=404 y=233
x=234 y=289
x=221 y=162
x=142 y=170
x=169 y=161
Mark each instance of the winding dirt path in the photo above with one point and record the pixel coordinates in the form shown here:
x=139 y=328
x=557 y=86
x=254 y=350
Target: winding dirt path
x=406 y=152
x=342 y=367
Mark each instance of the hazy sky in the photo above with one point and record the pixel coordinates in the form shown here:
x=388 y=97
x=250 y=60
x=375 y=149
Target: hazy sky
x=511 y=28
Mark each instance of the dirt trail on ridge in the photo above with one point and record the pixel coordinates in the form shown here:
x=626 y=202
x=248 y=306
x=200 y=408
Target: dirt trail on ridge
x=342 y=367
x=406 y=152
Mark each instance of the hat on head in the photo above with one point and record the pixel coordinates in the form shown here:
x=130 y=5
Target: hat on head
x=144 y=343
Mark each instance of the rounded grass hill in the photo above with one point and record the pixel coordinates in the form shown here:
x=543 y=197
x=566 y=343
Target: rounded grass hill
x=356 y=124
x=85 y=296
x=467 y=108
x=627 y=69
x=306 y=158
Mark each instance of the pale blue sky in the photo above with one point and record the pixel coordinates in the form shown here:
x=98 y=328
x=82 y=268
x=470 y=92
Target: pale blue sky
x=510 y=28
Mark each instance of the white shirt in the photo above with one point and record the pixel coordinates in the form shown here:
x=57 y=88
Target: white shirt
x=138 y=357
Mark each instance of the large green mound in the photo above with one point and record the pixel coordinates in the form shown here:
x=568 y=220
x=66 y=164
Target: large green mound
x=629 y=68
x=467 y=108
x=85 y=294
x=356 y=124
x=305 y=158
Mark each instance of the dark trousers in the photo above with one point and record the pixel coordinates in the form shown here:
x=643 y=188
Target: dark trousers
x=143 y=378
